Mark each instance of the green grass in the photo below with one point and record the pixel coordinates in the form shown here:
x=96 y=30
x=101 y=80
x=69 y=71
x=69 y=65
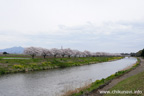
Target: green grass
x=133 y=83
x=24 y=65
x=103 y=81
x=10 y=57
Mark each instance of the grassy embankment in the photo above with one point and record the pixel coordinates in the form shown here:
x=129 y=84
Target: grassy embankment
x=134 y=85
x=24 y=65
x=99 y=83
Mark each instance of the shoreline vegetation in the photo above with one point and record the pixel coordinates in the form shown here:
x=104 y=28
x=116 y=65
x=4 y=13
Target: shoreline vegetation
x=133 y=85
x=88 y=89
x=13 y=65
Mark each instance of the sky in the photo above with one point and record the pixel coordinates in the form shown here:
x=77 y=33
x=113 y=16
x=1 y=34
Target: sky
x=96 y=25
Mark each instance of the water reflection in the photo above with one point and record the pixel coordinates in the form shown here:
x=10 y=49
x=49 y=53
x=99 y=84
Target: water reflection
x=56 y=81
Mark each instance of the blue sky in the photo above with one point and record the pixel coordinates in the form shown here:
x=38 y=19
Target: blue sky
x=94 y=25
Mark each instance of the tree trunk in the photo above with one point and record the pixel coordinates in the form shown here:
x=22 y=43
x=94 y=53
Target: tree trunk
x=69 y=56
x=32 y=56
x=44 y=56
x=63 y=56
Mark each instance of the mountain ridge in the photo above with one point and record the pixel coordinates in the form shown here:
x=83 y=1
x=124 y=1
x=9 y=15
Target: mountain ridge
x=13 y=50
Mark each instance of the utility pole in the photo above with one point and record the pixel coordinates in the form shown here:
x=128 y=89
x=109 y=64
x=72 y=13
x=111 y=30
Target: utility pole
x=61 y=47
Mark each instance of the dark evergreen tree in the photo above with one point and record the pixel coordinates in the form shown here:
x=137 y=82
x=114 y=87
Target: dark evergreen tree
x=5 y=53
x=142 y=54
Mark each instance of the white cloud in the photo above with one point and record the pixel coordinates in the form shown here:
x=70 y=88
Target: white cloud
x=109 y=37
x=95 y=25
x=45 y=15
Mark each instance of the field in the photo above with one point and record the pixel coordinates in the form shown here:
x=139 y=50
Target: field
x=13 y=63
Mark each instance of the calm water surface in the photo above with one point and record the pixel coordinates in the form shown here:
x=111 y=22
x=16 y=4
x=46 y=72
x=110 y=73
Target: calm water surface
x=55 y=82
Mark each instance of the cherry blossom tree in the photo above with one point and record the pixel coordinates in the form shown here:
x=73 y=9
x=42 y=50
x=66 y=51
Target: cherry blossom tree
x=98 y=54
x=45 y=52
x=69 y=52
x=87 y=53
x=76 y=53
x=33 y=51
x=63 y=52
x=55 y=52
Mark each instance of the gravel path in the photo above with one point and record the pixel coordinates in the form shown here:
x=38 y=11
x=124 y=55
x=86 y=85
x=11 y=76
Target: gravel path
x=137 y=70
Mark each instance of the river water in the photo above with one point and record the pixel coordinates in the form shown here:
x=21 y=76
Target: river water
x=57 y=81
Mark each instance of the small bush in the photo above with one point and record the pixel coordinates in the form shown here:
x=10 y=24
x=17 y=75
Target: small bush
x=2 y=71
x=18 y=66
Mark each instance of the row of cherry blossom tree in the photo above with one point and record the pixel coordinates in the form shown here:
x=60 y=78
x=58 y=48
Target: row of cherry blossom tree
x=38 y=51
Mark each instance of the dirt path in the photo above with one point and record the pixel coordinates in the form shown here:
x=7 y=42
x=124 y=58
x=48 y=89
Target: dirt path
x=139 y=69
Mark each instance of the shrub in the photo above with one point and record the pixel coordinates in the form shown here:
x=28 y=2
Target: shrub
x=2 y=71
x=18 y=66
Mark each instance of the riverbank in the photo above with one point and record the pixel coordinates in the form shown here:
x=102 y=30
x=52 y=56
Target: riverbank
x=120 y=79
x=92 y=89
x=25 y=65
x=132 y=86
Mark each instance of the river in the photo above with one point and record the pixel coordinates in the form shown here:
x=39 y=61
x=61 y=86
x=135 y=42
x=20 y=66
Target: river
x=56 y=81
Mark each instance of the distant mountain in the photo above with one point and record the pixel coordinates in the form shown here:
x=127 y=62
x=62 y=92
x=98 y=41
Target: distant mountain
x=14 y=50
